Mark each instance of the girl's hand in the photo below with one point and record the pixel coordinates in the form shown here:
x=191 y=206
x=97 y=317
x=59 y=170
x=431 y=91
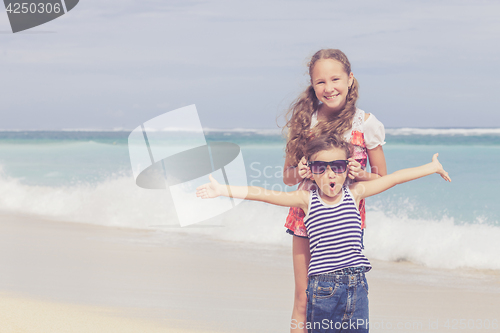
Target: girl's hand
x=304 y=171
x=440 y=169
x=209 y=190
x=354 y=168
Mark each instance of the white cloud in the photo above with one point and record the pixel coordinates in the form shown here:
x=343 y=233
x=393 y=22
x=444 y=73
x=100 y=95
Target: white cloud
x=244 y=61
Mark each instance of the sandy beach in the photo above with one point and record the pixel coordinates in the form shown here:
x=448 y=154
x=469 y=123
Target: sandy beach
x=67 y=277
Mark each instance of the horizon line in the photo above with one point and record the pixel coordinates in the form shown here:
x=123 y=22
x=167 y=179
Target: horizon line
x=234 y=129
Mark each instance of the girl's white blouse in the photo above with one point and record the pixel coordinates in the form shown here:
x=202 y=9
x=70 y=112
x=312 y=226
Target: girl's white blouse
x=373 y=130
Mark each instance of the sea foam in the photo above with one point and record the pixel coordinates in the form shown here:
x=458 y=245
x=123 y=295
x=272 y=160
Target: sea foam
x=119 y=202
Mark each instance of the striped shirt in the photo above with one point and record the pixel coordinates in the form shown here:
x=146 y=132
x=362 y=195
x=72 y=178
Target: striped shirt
x=334 y=234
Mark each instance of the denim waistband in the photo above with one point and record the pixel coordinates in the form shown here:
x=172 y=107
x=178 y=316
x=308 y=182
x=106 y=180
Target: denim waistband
x=341 y=275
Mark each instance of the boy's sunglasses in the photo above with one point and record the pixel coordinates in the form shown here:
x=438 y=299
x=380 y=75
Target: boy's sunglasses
x=319 y=167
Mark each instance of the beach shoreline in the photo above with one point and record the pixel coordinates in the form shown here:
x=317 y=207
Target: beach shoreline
x=145 y=280
x=22 y=313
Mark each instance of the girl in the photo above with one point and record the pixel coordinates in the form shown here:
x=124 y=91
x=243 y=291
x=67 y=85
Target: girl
x=329 y=106
x=337 y=289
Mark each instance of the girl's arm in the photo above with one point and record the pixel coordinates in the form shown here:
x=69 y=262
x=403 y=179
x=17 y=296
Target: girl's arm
x=362 y=190
x=374 y=137
x=378 y=167
x=288 y=199
x=293 y=175
x=377 y=161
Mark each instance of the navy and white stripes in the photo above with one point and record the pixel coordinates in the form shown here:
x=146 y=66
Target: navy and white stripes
x=334 y=234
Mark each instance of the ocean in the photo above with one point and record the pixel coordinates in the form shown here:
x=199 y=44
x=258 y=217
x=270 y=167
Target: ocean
x=86 y=177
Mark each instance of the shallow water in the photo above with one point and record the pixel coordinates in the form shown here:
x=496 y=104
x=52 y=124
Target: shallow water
x=86 y=177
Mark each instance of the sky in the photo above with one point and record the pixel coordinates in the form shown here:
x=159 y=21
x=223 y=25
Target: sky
x=115 y=64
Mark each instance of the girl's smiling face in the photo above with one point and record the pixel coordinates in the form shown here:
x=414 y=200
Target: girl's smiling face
x=331 y=84
x=330 y=183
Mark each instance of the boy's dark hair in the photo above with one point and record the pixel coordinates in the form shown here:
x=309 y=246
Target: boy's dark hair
x=325 y=142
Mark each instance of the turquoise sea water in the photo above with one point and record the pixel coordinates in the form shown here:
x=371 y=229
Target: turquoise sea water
x=86 y=177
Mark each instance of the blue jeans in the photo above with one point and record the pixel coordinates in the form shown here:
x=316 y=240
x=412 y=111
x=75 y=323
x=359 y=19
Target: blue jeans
x=338 y=302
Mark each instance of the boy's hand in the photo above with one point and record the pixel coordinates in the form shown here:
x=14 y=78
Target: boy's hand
x=354 y=168
x=304 y=171
x=440 y=169
x=209 y=190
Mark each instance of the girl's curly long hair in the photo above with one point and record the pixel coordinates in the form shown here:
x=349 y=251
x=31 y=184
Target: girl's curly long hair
x=327 y=142
x=300 y=112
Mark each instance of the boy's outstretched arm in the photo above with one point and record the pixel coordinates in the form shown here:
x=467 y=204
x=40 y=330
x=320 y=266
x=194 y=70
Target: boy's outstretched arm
x=365 y=189
x=288 y=199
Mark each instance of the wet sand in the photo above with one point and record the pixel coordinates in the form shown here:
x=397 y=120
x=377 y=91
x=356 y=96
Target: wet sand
x=69 y=277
